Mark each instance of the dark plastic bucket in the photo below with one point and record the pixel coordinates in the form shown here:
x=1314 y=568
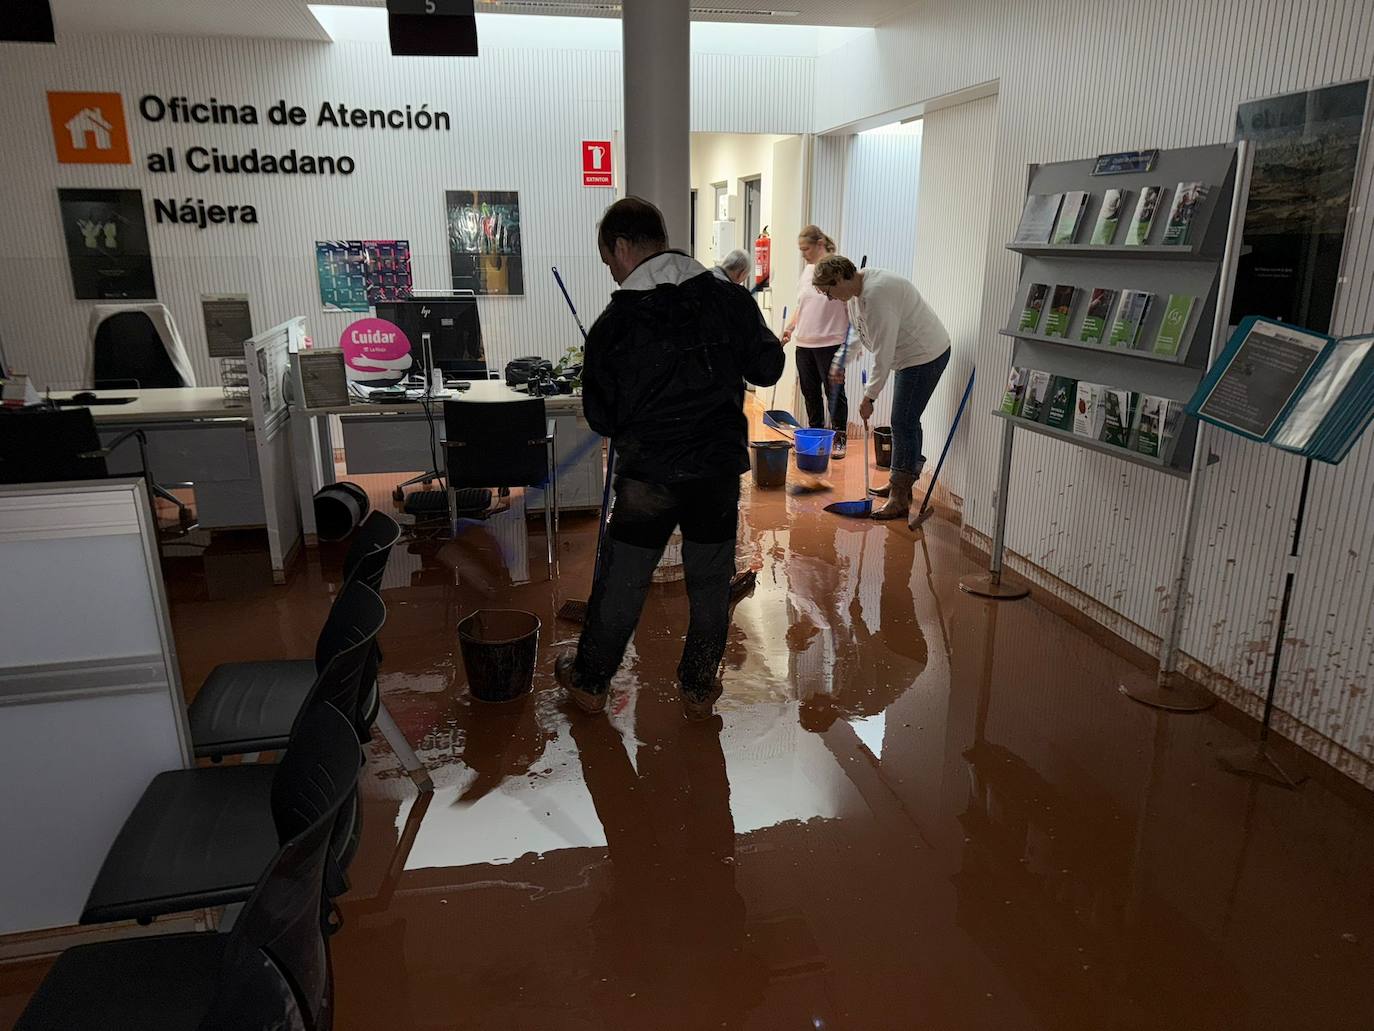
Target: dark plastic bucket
x=770 y=462
x=813 y=449
x=339 y=510
x=882 y=446
x=499 y=649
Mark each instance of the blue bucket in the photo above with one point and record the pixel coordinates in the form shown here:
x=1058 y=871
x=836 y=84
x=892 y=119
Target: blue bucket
x=813 y=449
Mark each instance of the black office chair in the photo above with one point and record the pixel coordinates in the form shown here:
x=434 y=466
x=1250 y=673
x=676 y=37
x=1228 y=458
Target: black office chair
x=371 y=548
x=201 y=837
x=127 y=352
x=272 y=969
x=502 y=444
x=49 y=445
x=252 y=706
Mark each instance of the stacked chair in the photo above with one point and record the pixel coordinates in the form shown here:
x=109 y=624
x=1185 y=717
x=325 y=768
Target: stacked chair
x=272 y=969
x=274 y=837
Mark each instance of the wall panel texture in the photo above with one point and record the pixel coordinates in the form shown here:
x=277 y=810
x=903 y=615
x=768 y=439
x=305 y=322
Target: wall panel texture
x=1104 y=534
x=518 y=117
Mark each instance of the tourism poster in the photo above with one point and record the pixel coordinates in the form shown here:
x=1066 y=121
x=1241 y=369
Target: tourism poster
x=1307 y=148
x=107 y=244
x=484 y=246
x=355 y=275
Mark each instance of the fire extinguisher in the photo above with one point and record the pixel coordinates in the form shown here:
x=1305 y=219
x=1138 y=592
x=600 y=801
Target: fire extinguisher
x=763 y=259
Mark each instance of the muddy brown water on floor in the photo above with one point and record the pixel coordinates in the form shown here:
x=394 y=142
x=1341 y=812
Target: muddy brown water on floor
x=916 y=810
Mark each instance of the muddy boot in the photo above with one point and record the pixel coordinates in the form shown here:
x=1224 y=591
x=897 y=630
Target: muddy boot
x=899 y=498
x=698 y=703
x=593 y=703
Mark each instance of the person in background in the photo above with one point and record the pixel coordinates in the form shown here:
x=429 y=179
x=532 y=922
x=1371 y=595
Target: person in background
x=664 y=376
x=734 y=268
x=909 y=342
x=818 y=328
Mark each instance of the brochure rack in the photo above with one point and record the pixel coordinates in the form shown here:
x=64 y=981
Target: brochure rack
x=1203 y=268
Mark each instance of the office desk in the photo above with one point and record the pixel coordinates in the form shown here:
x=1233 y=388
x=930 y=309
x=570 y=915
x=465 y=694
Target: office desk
x=194 y=436
x=394 y=437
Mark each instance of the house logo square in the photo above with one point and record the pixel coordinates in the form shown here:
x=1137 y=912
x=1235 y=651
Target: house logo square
x=88 y=128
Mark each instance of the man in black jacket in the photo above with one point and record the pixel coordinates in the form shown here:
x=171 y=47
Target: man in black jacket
x=664 y=377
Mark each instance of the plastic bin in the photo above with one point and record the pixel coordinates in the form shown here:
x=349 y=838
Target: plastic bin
x=499 y=648
x=339 y=510
x=769 y=458
x=882 y=446
x=813 y=449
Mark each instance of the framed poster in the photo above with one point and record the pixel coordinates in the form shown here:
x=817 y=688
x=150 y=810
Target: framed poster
x=354 y=275
x=484 y=241
x=1307 y=154
x=107 y=244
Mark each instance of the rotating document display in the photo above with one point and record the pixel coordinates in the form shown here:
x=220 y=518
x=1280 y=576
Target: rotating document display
x=1116 y=303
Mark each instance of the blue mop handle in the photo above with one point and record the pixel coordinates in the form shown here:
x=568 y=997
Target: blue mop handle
x=571 y=307
x=950 y=439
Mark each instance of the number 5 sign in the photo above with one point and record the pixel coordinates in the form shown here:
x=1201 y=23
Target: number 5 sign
x=596 y=163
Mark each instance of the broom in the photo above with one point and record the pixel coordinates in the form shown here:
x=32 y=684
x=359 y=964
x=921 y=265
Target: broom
x=925 y=511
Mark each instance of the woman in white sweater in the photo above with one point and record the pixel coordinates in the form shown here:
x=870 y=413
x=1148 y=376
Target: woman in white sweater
x=909 y=343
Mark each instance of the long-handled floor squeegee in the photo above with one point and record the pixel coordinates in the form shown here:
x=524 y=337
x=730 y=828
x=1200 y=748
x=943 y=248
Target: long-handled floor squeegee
x=776 y=418
x=576 y=611
x=925 y=511
x=857 y=509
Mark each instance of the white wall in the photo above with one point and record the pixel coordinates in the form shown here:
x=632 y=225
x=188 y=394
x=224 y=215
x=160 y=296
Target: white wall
x=957 y=151
x=878 y=221
x=518 y=116
x=729 y=158
x=1101 y=533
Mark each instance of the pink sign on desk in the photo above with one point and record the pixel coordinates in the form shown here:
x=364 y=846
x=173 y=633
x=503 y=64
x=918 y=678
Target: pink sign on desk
x=376 y=352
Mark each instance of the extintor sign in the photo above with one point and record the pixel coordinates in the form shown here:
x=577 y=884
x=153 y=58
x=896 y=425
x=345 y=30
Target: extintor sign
x=596 y=163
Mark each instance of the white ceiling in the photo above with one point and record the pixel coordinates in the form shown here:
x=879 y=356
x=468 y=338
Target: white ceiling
x=291 y=19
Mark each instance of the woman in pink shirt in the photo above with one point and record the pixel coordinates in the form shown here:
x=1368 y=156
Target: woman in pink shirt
x=818 y=329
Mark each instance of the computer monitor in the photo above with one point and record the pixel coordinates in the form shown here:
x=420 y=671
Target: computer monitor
x=455 y=332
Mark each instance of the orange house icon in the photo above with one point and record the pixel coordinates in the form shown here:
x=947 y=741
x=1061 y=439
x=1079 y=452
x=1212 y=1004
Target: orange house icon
x=88 y=128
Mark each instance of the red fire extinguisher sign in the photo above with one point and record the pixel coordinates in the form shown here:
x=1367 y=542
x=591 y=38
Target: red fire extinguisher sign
x=763 y=258
x=596 y=163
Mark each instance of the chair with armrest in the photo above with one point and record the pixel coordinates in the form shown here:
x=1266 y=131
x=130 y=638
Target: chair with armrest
x=272 y=969
x=202 y=836
x=137 y=346
x=502 y=444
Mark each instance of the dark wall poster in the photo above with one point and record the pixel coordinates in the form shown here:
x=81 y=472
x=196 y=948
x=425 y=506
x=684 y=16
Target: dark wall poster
x=107 y=244
x=484 y=241
x=1307 y=150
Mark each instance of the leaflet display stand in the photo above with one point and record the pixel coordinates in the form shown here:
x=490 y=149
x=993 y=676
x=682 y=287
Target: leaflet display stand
x=1203 y=269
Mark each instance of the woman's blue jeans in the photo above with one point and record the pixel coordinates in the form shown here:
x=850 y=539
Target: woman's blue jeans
x=911 y=392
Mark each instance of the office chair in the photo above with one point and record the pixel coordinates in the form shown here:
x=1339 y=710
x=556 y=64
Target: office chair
x=252 y=706
x=50 y=445
x=502 y=444
x=137 y=346
x=201 y=837
x=272 y=969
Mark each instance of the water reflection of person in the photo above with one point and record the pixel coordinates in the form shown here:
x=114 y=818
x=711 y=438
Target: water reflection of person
x=669 y=930
x=877 y=655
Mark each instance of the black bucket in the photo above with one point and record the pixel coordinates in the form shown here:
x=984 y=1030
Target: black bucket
x=882 y=446
x=339 y=510
x=499 y=649
x=769 y=459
